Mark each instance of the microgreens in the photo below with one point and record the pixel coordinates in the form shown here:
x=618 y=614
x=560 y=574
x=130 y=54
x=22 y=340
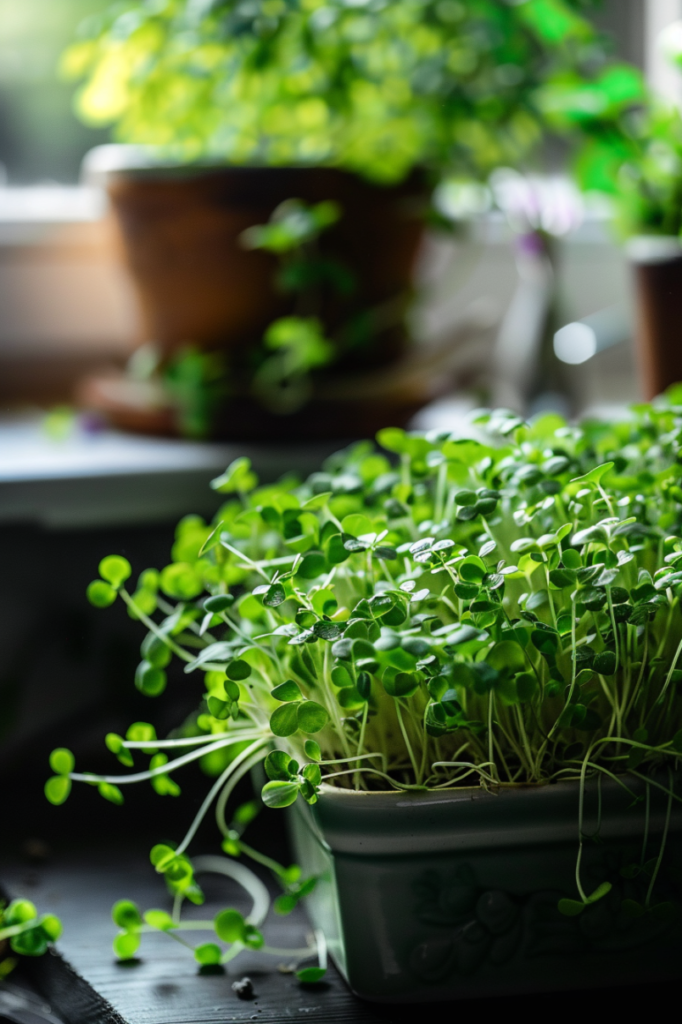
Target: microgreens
x=25 y=932
x=501 y=609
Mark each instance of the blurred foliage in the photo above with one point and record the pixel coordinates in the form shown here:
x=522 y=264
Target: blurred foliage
x=372 y=86
x=650 y=180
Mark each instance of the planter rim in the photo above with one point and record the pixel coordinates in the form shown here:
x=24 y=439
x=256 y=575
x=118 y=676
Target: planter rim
x=654 y=248
x=379 y=823
x=101 y=163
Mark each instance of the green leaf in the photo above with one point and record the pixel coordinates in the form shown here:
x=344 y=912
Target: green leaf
x=605 y=663
x=526 y=686
x=229 y=925
x=126 y=945
x=602 y=890
x=110 y=792
x=141 y=732
x=472 y=569
x=401 y=685
x=238 y=670
x=280 y=767
x=20 y=911
x=57 y=789
x=279 y=793
x=327 y=630
x=311 y=975
x=324 y=602
x=100 y=594
x=595 y=475
x=220 y=709
x=253 y=938
x=149 y=680
x=274 y=596
x=62 y=761
x=312 y=750
x=218 y=603
x=561 y=578
x=312 y=565
x=312 y=773
x=311 y=716
x=393 y=439
x=159 y=919
x=236 y=478
x=284 y=721
x=246 y=813
x=208 y=953
x=317 y=501
x=52 y=926
x=115 y=570
x=32 y=942
x=181 y=581
x=126 y=915
x=287 y=691
x=570 y=908
x=340 y=676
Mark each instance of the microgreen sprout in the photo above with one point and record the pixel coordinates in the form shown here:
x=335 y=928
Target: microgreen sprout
x=24 y=932
x=499 y=610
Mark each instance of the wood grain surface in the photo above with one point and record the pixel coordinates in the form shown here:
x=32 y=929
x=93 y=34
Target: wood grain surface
x=85 y=984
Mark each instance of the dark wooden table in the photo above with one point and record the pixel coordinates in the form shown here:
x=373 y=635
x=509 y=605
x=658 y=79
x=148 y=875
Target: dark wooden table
x=85 y=985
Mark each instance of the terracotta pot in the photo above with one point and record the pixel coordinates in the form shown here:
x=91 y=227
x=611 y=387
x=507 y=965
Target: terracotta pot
x=657 y=264
x=196 y=285
x=195 y=282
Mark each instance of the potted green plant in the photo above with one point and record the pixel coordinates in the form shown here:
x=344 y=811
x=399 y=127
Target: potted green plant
x=458 y=661
x=365 y=105
x=649 y=204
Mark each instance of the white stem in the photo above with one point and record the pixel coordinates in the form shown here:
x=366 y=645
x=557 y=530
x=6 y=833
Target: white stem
x=245 y=877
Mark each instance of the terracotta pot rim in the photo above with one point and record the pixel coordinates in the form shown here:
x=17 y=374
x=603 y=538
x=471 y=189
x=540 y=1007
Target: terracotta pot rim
x=652 y=249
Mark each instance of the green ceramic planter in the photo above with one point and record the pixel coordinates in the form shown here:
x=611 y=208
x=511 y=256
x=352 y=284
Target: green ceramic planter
x=433 y=896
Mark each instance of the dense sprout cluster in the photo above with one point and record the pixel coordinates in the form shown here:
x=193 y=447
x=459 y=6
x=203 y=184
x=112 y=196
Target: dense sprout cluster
x=376 y=87
x=505 y=603
x=500 y=608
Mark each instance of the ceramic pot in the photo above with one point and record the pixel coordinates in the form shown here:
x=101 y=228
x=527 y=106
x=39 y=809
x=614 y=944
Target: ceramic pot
x=452 y=895
x=657 y=265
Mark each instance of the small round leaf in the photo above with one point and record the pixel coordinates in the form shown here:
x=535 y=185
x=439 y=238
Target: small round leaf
x=126 y=945
x=229 y=925
x=311 y=716
x=312 y=750
x=62 y=761
x=279 y=793
x=238 y=669
x=284 y=721
x=208 y=953
x=126 y=915
x=100 y=594
x=218 y=603
x=57 y=789
x=115 y=570
x=287 y=691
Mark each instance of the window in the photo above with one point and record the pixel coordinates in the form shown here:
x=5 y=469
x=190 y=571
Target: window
x=40 y=139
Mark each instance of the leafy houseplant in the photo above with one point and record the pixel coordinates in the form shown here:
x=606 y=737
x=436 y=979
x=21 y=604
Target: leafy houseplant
x=649 y=206
x=500 y=611
x=385 y=91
